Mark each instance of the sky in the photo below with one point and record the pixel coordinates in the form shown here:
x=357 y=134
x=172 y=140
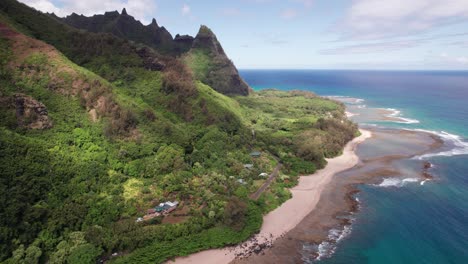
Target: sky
x=309 y=34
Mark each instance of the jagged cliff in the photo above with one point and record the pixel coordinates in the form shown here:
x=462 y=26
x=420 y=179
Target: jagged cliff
x=218 y=71
x=125 y=26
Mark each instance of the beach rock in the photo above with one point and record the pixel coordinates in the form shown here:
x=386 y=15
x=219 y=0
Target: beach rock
x=425 y=171
x=427 y=165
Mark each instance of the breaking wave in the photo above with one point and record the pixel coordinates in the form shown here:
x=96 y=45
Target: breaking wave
x=399 y=118
x=457 y=144
x=328 y=247
x=396 y=182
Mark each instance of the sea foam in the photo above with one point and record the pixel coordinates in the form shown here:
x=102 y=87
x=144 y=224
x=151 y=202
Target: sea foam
x=346 y=99
x=396 y=182
x=400 y=119
x=459 y=147
x=328 y=247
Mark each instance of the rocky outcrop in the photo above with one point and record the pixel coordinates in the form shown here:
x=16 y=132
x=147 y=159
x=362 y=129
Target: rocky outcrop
x=150 y=60
x=183 y=42
x=30 y=113
x=222 y=75
x=125 y=26
x=206 y=39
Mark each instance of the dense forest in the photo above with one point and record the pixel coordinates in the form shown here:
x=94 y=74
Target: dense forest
x=95 y=129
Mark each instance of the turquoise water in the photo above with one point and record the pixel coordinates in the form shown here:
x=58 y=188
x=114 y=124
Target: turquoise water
x=413 y=223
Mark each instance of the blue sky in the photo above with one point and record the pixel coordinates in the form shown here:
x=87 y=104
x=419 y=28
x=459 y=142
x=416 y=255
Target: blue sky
x=310 y=34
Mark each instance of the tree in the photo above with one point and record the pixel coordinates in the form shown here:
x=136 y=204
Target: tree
x=234 y=213
x=170 y=158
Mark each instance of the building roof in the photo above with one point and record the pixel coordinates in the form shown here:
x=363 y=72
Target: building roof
x=248 y=166
x=255 y=153
x=241 y=181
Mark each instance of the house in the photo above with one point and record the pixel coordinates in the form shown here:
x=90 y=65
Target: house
x=164 y=207
x=255 y=154
x=248 y=166
x=161 y=209
x=172 y=204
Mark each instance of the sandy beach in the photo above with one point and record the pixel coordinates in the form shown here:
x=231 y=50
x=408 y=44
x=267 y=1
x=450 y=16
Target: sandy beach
x=305 y=197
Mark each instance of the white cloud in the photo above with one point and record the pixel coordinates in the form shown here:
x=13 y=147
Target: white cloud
x=373 y=19
x=450 y=60
x=380 y=47
x=186 y=10
x=289 y=13
x=306 y=3
x=140 y=9
x=43 y=5
x=462 y=60
x=230 y=12
x=463 y=44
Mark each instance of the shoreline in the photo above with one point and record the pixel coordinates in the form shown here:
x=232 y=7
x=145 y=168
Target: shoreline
x=305 y=197
x=318 y=234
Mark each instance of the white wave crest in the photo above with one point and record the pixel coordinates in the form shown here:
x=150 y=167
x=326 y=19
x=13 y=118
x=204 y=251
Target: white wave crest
x=459 y=146
x=328 y=247
x=346 y=99
x=423 y=182
x=395 y=182
x=399 y=118
x=405 y=120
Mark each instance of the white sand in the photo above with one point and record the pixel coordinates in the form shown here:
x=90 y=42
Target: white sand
x=305 y=197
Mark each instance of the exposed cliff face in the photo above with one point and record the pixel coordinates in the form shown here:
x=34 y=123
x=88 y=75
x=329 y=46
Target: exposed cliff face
x=29 y=113
x=219 y=72
x=183 y=42
x=125 y=26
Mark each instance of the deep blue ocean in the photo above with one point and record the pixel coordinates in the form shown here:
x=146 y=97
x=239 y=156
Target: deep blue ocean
x=413 y=223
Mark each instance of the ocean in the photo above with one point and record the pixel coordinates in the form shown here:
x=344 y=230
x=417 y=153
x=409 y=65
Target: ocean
x=401 y=220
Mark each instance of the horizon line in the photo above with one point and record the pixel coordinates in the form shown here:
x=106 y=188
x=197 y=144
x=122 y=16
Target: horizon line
x=345 y=69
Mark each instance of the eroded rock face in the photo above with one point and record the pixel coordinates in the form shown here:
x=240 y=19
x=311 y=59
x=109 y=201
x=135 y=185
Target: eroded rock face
x=206 y=39
x=126 y=26
x=183 y=42
x=150 y=60
x=30 y=113
x=223 y=75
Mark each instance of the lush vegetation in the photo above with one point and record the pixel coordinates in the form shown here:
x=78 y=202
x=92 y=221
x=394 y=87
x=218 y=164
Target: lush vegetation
x=126 y=137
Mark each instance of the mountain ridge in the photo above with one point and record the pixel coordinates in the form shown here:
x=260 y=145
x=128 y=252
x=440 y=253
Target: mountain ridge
x=221 y=74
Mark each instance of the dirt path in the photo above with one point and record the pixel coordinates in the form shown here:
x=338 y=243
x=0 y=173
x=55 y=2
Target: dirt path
x=265 y=185
x=305 y=197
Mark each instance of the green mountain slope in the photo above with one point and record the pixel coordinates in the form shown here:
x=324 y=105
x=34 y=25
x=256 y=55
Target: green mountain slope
x=220 y=73
x=93 y=133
